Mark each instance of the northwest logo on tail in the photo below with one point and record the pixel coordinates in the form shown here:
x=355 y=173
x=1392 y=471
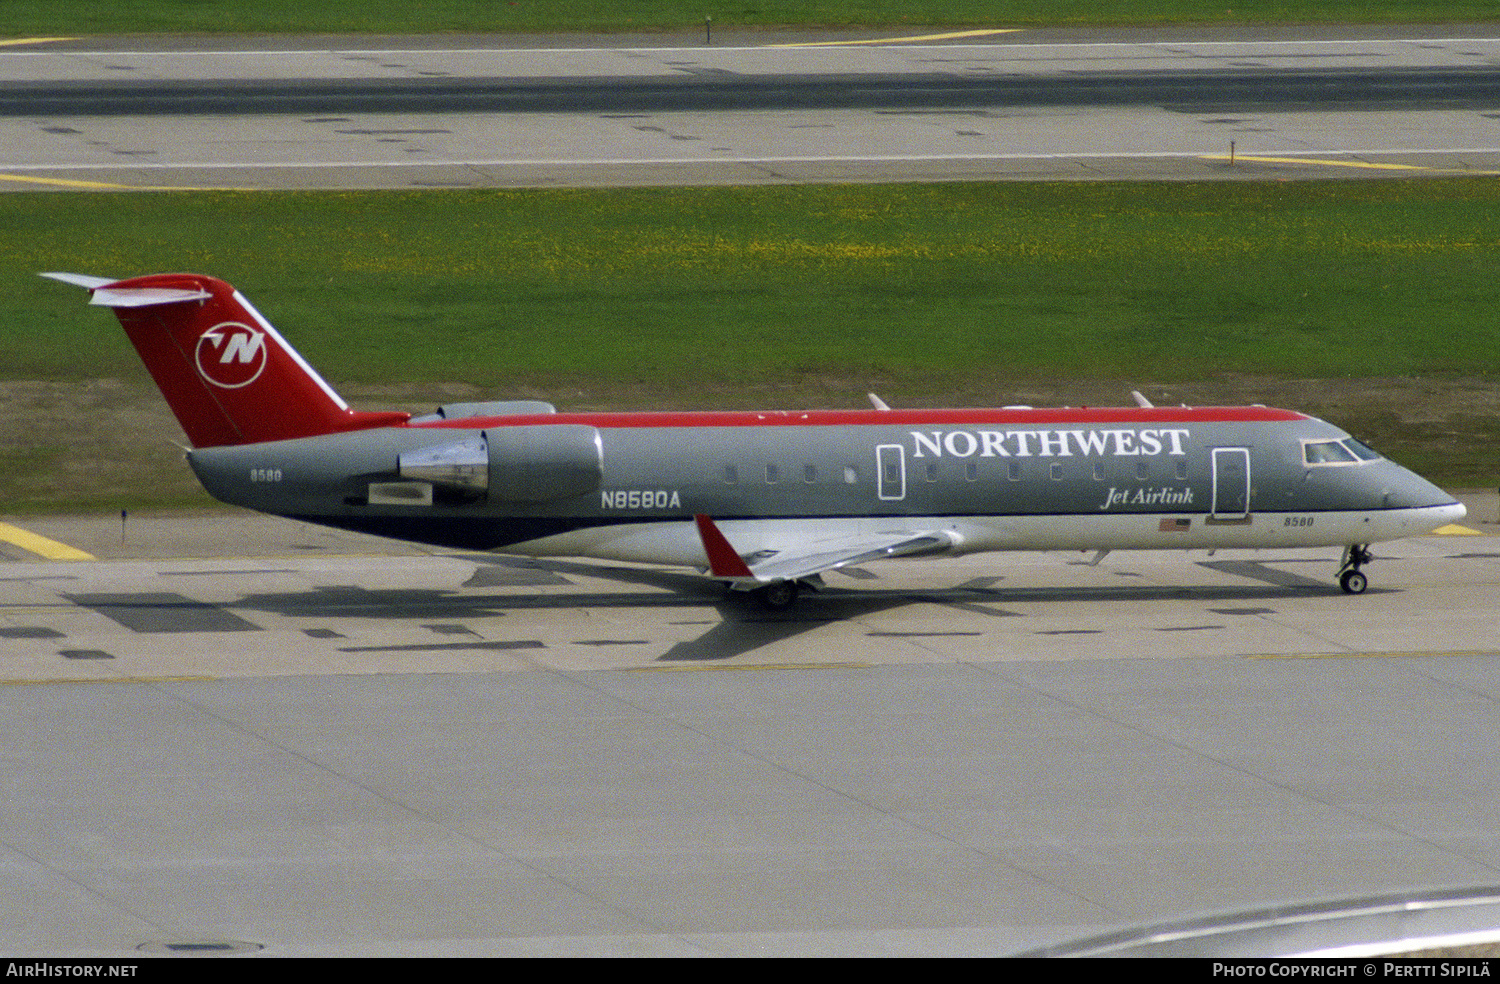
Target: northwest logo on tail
x=231 y=355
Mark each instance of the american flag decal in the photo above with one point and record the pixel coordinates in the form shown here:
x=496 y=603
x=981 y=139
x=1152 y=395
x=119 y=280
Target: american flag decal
x=1176 y=525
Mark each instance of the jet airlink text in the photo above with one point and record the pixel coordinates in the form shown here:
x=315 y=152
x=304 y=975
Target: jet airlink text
x=1164 y=496
x=1049 y=443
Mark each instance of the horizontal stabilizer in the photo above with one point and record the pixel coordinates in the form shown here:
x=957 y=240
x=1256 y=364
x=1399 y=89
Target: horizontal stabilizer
x=134 y=297
x=127 y=297
x=82 y=280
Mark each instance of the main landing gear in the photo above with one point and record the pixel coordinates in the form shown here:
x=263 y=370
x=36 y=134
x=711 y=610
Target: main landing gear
x=1351 y=578
x=778 y=596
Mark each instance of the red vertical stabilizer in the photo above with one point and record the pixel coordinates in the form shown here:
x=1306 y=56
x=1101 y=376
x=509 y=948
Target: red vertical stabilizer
x=226 y=373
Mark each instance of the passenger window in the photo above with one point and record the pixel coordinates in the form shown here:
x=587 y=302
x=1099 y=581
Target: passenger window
x=731 y=475
x=971 y=471
x=1142 y=470
x=809 y=474
x=1013 y=471
x=851 y=474
x=773 y=474
x=1181 y=470
x=1056 y=471
x=932 y=471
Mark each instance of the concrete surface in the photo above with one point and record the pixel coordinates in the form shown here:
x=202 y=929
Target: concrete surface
x=394 y=149
x=318 y=752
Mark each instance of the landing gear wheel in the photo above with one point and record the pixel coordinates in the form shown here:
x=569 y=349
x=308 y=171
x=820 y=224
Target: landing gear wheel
x=1351 y=579
x=778 y=597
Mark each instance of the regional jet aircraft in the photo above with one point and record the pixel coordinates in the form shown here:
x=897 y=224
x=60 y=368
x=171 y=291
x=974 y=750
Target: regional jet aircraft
x=764 y=502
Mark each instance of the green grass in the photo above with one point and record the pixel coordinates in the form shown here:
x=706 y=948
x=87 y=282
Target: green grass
x=935 y=295
x=20 y=18
x=926 y=287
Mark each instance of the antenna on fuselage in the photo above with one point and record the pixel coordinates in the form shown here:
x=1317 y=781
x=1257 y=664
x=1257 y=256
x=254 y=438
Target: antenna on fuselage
x=1141 y=401
x=877 y=402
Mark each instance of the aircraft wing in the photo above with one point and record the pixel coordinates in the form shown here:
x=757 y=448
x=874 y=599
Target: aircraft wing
x=815 y=557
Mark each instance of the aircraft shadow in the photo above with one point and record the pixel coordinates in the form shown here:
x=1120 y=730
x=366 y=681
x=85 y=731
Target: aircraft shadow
x=741 y=625
x=744 y=625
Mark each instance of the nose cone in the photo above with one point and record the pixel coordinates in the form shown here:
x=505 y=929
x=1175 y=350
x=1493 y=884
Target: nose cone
x=1425 y=507
x=1436 y=517
x=1404 y=489
x=1450 y=512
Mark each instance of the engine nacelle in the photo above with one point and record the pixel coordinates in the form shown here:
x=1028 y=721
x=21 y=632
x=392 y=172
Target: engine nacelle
x=532 y=463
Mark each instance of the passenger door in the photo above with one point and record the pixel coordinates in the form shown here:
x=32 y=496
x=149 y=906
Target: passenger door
x=1231 y=484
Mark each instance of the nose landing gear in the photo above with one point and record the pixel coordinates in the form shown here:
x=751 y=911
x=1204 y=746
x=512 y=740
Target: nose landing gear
x=1351 y=578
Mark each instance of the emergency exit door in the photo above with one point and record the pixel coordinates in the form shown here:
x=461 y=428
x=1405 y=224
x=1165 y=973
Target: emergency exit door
x=890 y=472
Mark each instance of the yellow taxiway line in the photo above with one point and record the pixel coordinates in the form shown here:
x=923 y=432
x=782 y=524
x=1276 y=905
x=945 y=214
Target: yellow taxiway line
x=44 y=681
x=920 y=37
x=101 y=185
x=1313 y=160
x=40 y=545
x=1368 y=165
x=14 y=41
x=1453 y=529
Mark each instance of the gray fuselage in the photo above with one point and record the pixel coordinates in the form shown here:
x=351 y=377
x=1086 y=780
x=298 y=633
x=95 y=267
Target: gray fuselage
x=627 y=486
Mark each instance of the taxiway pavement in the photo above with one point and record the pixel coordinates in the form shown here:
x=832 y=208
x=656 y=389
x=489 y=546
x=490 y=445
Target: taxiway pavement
x=249 y=733
x=346 y=113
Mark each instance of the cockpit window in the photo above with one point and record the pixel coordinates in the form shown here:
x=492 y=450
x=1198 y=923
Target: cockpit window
x=1362 y=451
x=1327 y=453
